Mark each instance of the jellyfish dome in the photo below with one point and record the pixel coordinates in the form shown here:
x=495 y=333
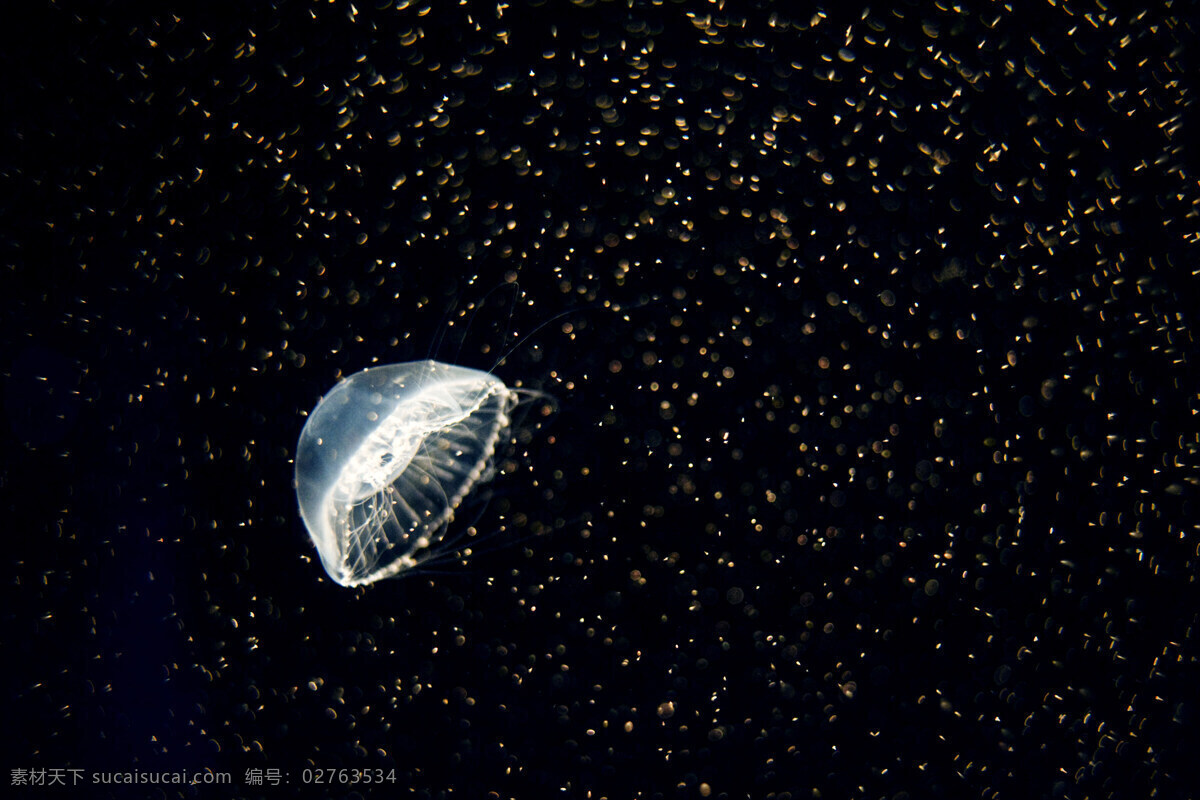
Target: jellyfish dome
x=388 y=455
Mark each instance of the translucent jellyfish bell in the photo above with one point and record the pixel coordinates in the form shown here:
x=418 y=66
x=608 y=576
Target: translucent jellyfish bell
x=388 y=455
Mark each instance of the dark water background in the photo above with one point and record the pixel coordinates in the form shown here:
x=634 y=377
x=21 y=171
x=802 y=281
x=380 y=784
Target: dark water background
x=881 y=484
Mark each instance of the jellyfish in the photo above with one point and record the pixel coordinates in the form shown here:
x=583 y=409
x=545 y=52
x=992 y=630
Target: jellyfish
x=386 y=458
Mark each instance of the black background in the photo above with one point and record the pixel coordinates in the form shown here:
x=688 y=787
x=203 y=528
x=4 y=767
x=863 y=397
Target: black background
x=872 y=458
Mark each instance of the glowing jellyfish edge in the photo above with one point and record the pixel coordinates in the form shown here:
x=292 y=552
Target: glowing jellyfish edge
x=386 y=458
